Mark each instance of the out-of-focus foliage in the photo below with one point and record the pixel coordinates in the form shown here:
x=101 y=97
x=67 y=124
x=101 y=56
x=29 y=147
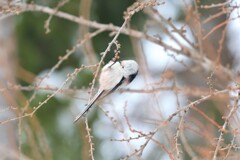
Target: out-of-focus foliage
x=49 y=133
x=39 y=51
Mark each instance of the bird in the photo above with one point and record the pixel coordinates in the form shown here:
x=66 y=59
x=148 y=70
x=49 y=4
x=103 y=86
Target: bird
x=114 y=75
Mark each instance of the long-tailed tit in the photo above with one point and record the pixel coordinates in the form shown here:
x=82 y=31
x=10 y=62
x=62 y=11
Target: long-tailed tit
x=113 y=76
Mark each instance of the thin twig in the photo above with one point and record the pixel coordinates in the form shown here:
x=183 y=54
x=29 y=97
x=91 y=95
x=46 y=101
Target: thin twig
x=224 y=126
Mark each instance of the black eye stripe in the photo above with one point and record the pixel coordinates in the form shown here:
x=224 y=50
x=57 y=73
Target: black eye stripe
x=132 y=76
x=119 y=84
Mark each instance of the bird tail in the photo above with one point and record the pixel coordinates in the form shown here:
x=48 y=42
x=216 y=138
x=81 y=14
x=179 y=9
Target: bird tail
x=89 y=105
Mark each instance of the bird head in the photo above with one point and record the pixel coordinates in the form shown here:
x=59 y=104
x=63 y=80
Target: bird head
x=130 y=69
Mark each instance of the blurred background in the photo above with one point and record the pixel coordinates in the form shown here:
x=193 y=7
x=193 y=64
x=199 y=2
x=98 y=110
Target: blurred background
x=193 y=54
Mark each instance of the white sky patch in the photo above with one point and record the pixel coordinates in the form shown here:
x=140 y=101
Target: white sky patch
x=233 y=32
x=170 y=8
x=158 y=58
x=168 y=102
x=55 y=80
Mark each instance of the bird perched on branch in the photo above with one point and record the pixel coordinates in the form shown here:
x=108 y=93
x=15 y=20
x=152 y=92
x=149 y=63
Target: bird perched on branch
x=113 y=76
